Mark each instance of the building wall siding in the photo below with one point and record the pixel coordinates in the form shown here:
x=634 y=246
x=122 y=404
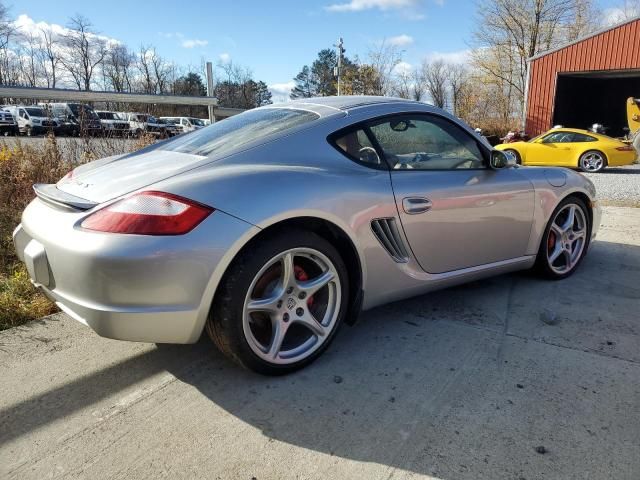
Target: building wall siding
x=616 y=49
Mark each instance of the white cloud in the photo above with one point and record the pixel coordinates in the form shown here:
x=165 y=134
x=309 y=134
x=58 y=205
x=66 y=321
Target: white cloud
x=400 y=40
x=360 y=5
x=194 y=43
x=403 y=68
x=224 y=57
x=460 y=56
x=616 y=15
x=28 y=26
x=280 y=91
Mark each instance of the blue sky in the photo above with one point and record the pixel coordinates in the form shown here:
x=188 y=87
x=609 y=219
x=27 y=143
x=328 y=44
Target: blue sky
x=273 y=38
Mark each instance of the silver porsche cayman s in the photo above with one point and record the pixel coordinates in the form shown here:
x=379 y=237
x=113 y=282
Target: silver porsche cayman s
x=273 y=227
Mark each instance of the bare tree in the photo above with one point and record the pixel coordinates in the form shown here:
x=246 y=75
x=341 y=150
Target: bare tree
x=84 y=52
x=28 y=54
x=117 y=68
x=435 y=77
x=458 y=77
x=626 y=10
x=8 y=69
x=384 y=59
x=511 y=31
x=50 y=50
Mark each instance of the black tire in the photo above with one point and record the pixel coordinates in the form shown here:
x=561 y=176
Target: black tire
x=225 y=326
x=542 y=264
x=596 y=152
x=515 y=154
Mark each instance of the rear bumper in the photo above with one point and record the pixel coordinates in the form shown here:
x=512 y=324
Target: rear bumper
x=128 y=287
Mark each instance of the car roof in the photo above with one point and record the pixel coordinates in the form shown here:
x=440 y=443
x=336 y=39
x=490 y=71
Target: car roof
x=347 y=102
x=599 y=136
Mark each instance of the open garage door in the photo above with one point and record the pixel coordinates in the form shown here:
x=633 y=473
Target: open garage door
x=583 y=99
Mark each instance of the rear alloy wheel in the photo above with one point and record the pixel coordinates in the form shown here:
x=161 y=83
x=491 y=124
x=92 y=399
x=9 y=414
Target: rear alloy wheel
x=592 y=161
x=566 y=239
x=281 y=303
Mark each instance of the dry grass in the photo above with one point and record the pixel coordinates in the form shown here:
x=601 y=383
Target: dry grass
x=21 y=166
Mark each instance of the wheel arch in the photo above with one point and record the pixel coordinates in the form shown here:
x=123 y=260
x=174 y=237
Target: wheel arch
x=326 y=229
x=598 y=150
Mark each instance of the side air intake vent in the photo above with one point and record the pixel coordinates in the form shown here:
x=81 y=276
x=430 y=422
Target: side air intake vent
x=386 y=231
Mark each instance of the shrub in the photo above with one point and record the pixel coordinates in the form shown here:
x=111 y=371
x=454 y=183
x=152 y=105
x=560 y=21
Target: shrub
x=22 y=165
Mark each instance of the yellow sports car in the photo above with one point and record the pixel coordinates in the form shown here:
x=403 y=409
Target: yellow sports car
x=573 y=148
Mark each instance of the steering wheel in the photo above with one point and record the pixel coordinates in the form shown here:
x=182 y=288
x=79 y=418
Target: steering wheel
x=369 y=155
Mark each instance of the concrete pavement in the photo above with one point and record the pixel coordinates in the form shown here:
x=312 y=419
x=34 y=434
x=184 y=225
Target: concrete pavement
x=508 y=378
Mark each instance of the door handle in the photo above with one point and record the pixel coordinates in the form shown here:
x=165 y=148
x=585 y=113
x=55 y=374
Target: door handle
x=414 y=205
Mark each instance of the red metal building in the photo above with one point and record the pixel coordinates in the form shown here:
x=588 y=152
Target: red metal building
x=585 y=82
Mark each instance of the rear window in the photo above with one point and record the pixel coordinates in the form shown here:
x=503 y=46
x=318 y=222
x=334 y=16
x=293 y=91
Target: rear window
x=239 y=130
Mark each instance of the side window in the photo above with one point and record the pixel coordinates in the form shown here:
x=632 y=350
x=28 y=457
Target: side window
x=356 y=145
x=581 y=137
x=559 y=137
x=426 y=143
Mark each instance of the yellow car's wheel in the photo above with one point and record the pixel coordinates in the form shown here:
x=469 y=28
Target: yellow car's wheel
x=514 y=154
x=592 y=161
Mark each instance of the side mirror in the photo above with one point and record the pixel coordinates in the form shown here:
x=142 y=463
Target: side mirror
x=500 y=159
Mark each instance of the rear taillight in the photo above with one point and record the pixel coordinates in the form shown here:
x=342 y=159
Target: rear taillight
x=626 y=148
x=149 y=213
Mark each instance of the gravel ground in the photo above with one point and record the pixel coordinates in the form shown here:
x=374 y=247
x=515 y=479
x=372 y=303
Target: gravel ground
x=618 y=186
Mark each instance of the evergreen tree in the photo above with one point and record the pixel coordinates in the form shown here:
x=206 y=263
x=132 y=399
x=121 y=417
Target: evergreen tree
x=191 y=84
x=304 y=84
x=262 y=94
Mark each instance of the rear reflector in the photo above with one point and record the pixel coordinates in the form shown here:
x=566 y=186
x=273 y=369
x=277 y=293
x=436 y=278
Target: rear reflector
x=626 y=148
x=149 y=213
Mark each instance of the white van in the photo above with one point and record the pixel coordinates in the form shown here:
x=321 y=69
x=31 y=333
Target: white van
x=185 y=124
x=32 y=120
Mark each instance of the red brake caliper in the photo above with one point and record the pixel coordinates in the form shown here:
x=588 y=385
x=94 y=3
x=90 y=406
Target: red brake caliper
x=551 y=242
x=303 y=277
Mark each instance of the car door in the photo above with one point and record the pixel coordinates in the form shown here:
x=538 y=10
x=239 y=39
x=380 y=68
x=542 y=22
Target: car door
x=456 y=211
x=553 y=149
x=23 y=118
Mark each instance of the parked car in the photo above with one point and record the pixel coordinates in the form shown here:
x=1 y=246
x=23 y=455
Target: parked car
x=185 y=124
x=8 y=125
x=271 y=228
x=112 y=125
x=75 y=118
x=573 y=148
x=143 y=123
x=170 y=128
x=32 y=120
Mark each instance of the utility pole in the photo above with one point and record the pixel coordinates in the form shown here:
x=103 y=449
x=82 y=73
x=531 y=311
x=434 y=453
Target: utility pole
x=212 y=117
x=337 y=71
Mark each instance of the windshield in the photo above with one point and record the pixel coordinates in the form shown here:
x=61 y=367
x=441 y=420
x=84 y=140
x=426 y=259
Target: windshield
x=197 y=122
x=36 y=112
x=81 y=110
x=239 y=130
x=106 y=115
x=171 y=121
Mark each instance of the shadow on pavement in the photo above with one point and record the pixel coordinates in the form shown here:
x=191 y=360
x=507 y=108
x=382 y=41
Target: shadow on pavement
x=469 y=379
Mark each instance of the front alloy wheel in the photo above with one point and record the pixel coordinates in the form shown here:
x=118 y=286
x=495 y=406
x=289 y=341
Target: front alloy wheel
x=566 y=239
x=280 y=303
